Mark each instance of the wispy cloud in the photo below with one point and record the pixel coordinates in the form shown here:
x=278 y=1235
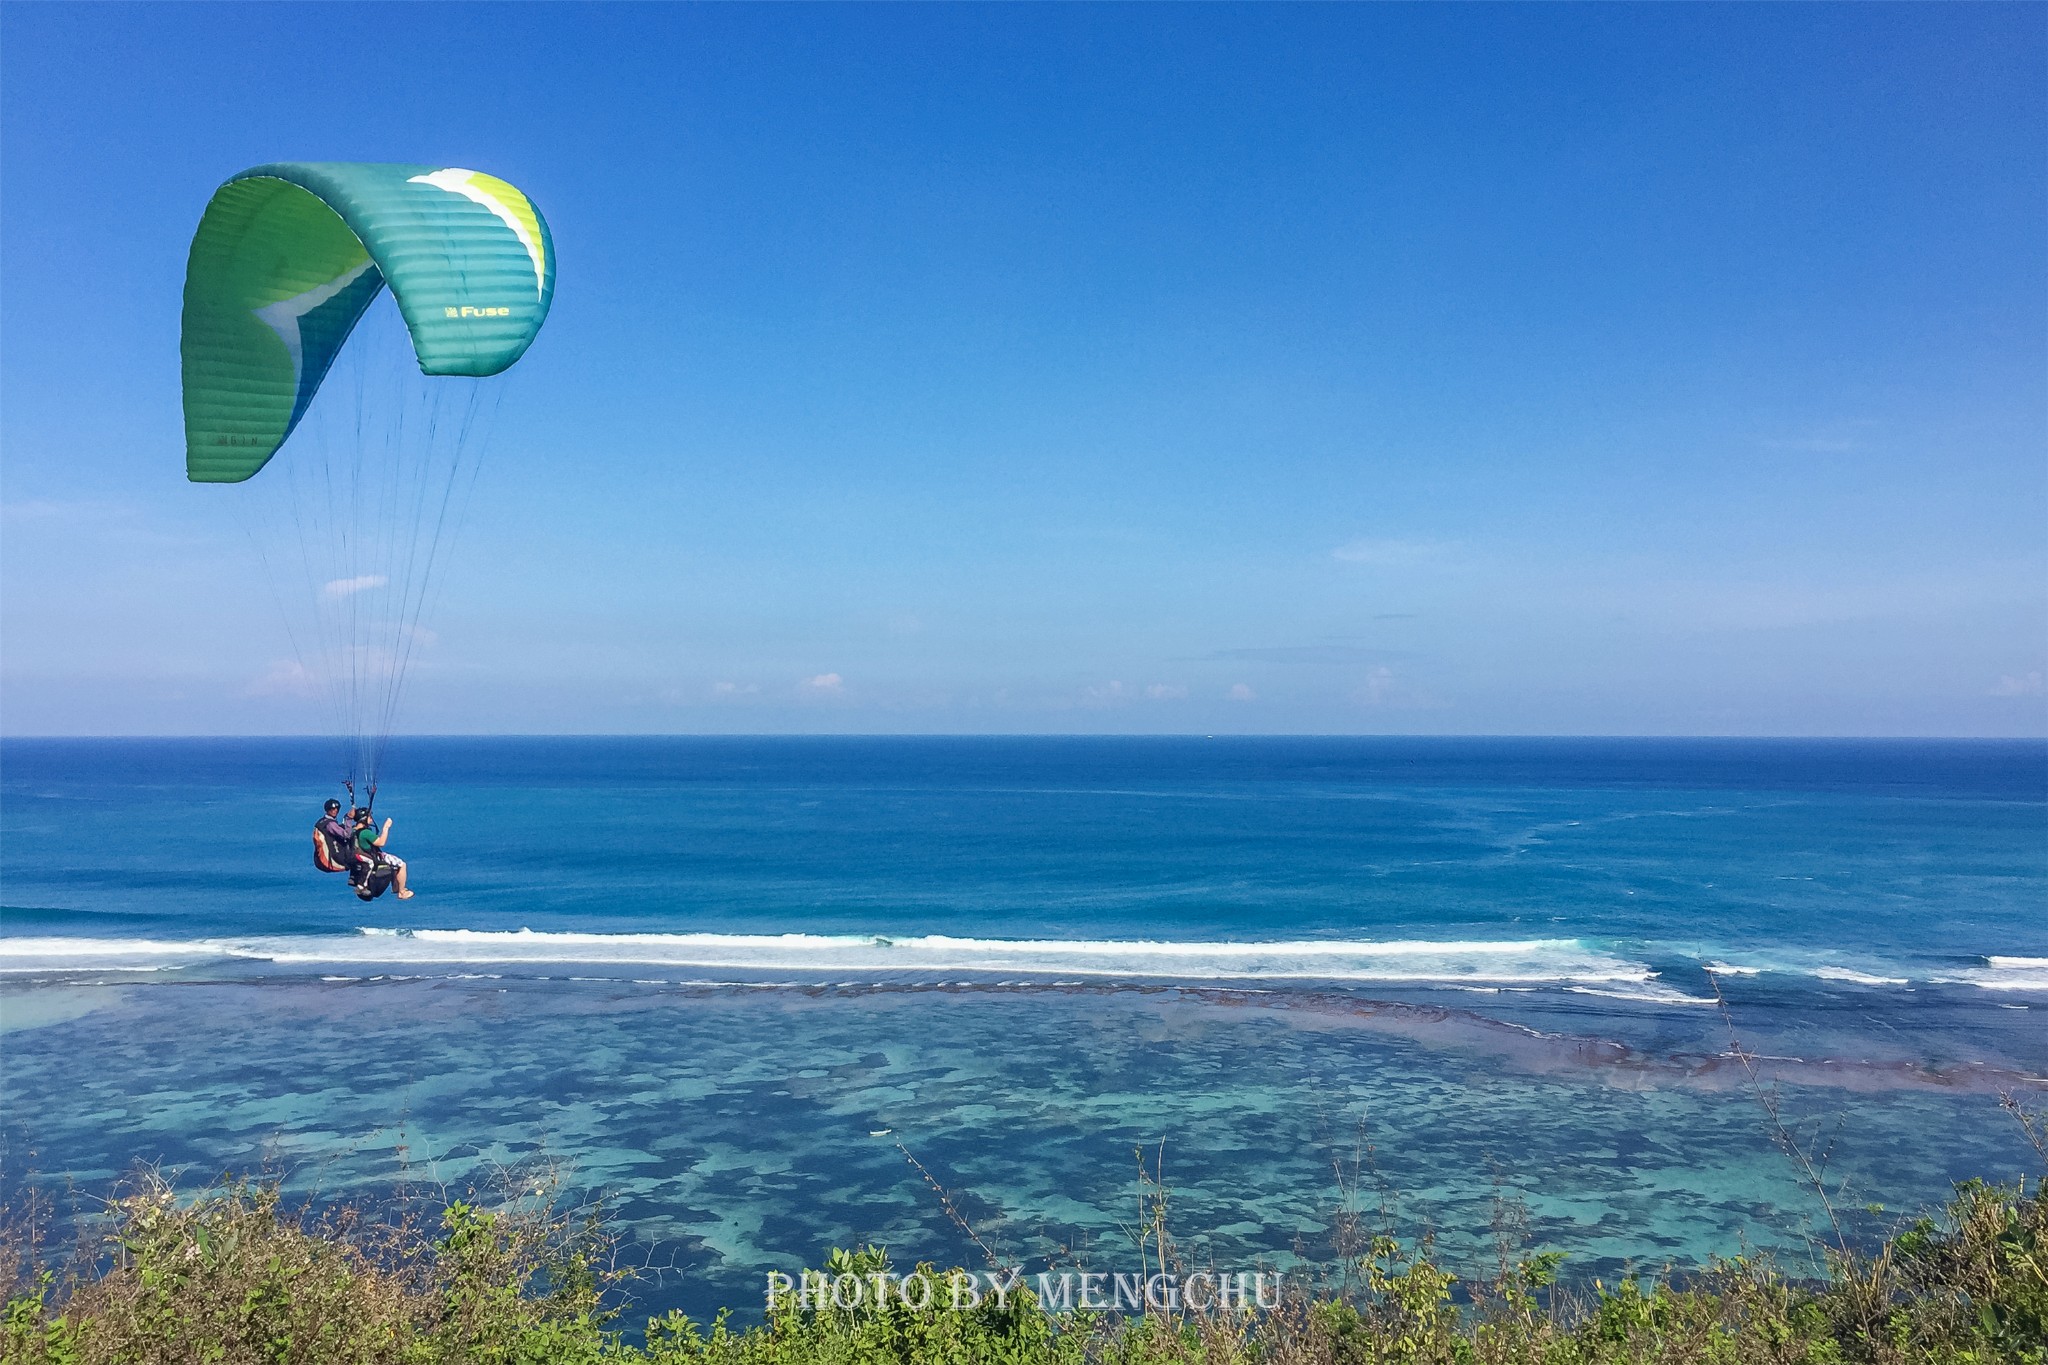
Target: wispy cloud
x=285 y=678
x=2020 y=685
x=1165 y=691
x=1377 y=689
x=825 y=682
x=1391 y=552
x=93 y=512
x=45 y=509
x=1832 y=438
x=1761 y=604
x=1308 y=654
x=1242 y=692
x=1813 y=445
x=113 y=522
x=349 y=587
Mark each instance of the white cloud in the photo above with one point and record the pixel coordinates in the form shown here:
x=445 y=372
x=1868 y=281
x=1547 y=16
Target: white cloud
x=1377 y=687
x=1242 y=692
x=825 y=682
x=42 y=509
x=1814 y=445
x=360 y=661
x=112 y=522
x=1831 y=438
x=1165 y=691
x=349 y=587
x=1388 y=552
x=1308 y=654
x=2021 y=685
x=1787 y=603
x=285 y=678
x=734 y=689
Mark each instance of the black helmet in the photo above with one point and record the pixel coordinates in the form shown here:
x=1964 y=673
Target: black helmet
x=333 y=805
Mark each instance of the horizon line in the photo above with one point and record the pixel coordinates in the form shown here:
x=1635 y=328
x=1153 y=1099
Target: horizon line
x=1049 y=734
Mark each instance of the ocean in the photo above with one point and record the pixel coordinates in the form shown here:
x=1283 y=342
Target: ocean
x=734 y=985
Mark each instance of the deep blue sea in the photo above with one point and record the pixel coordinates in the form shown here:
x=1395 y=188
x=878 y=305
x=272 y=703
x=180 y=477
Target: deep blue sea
x=730 y=984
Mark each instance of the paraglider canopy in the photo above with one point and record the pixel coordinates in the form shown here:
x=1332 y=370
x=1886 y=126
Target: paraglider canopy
x=289 y=255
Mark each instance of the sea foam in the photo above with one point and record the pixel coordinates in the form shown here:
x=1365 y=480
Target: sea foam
x=878 y=956
x=2000 y=973
x=102 y=954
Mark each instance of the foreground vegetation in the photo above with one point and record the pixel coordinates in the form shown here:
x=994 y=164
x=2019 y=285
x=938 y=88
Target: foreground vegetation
x=234 y=1276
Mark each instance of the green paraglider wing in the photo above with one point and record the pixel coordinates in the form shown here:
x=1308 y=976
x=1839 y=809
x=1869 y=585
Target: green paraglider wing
x=288 y=256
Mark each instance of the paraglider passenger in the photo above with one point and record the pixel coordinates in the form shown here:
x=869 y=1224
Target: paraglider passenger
x=382 y=869
x=334 y=841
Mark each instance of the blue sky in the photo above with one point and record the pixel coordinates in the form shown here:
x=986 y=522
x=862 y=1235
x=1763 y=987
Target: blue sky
x=1540 y=369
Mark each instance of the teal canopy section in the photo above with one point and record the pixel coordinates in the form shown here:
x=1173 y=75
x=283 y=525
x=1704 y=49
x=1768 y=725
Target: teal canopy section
x=288 y=255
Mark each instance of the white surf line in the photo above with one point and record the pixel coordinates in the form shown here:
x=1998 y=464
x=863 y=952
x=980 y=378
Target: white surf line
x=1393 y=961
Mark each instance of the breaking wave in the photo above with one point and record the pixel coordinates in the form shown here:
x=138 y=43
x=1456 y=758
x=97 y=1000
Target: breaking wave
x=1469 y=964
x=1532 y=962
x=2005 y=974
x=1998 y=973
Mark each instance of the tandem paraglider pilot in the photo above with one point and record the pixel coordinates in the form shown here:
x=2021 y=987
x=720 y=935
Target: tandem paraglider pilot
x=334 y=841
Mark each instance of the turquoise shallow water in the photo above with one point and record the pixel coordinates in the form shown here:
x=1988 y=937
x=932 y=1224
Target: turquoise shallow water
x=756 y=967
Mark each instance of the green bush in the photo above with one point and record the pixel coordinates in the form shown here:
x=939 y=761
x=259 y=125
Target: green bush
x=234 y=1277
